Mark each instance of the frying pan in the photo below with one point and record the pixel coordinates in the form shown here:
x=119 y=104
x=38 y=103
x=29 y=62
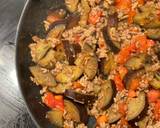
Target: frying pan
x=31 y=23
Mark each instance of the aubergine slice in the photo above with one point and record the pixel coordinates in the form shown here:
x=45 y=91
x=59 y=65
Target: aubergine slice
x=71 y=51
x=55 y=116
x=112 y=23
x=72 y=5
x=91 y=122
x=113 y=45
x=135 y=106
x=79 y=97
x=113 y=20
x=85 y=12
x=72 y=112
x=60 y=56
x=131 y=75
x=58 y=13
x=49 y=60
x=113 y=114
x=91 y=67
x=73 y=20
x=155 y=82
x=86 y=48
x=60 y=88
x=44 y=79
x=106 y=94
x=147 y=17
x=68 y=74
x=143 y=123
x=107 y=65
x=80 y=60
x=55 y=29
x=136 y=62
x=109 y=41
x=83 y=112
x=153 y=34
x=42 y=48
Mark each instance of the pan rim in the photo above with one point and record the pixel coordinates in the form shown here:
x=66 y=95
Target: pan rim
x=18 y=30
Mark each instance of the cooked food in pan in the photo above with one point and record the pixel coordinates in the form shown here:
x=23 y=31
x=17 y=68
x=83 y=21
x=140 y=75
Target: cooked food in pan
x=99 y=64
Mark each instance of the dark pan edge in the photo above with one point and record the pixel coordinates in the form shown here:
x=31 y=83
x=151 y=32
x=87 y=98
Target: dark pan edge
x=19 y=26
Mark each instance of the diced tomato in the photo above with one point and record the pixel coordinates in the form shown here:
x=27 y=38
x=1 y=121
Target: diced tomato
x=142 y=43
x=131 y=15
x=134 y=84
x=77 y=38
x=139 y=43
x=158 y=14
x=118 y=82
x=94 y=16
x=150 y=43
x=77 y=85
x=153 y=95
x=123 y=4
x=125 y=52
x=53 y=101
x=131 y=94
x=122 y=108
x=140 y=2
x=157 y=110
x=102 y=119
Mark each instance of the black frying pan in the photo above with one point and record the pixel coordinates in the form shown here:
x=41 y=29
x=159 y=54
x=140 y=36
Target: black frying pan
x=31 y=23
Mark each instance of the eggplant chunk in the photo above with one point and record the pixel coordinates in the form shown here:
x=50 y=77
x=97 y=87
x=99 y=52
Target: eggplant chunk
x=91 y=122
x=71 y=51
x=136 y=62
x=113 y=114
x=72 y=112
x=91 y=67
x=130 y=76
x=55 y=116
x=41 y=49
x=60 y=88
x=73 y=20
x=87 y=48
x=155 y=82
x=80 y=98
x=153 y=34
x=56 y=13
x=60 y=53
x=107 y=65
x=113 y=20
x=60 y=56
x=106 y=94
x=72 y=5
x=110 y=43
x=147 y=17
x=55 y=30
x=49 y=60
x=44 y=79
x=81 y=58
x=69 y=74
x=83 y=112
x=143 y=123
x=136 y=106
x=85 y=12
x=112 y=24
